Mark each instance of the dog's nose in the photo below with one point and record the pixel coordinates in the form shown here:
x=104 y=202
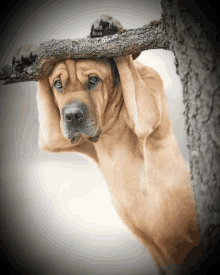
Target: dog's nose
x=78 y=120
x=73 y=116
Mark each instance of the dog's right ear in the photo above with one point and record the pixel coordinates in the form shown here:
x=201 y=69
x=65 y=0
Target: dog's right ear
x=51 y=137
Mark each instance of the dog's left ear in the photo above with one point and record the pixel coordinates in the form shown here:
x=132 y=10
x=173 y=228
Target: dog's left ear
x=142 y=90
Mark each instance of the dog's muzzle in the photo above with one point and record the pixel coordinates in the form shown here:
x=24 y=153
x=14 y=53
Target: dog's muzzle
x=77 y=121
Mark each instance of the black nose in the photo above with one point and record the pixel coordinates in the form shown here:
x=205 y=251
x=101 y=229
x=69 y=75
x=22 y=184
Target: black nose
x=74 y=115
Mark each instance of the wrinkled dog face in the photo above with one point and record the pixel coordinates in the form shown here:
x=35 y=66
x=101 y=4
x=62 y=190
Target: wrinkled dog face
x=81 y=90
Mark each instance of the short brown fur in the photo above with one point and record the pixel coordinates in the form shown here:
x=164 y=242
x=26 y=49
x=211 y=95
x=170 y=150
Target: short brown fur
x=137 y=151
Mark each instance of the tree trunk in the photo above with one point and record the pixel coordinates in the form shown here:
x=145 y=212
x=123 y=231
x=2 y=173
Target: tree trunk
x=191 y=35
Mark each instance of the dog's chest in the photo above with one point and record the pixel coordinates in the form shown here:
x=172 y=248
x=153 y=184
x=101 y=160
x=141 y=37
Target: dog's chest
x=125 y=175
x=141 y=207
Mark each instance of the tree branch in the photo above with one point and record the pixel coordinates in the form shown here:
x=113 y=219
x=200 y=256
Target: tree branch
x=129 y=42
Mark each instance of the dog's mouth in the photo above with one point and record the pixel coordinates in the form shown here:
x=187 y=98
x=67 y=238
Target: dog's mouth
x=76 y=138
x=95 y=138
x=78 y=123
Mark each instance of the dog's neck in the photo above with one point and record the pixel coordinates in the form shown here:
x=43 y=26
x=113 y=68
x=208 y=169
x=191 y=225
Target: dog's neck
x=121 y=159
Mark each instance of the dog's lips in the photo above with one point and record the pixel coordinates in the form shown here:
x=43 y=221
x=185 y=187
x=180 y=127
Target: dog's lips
x=95 y=138
x=76 y=138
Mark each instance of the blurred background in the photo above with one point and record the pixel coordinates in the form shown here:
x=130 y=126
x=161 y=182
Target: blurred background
x=56 y=212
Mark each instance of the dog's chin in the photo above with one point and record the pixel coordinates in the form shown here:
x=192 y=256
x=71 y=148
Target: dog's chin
x=79 y=137
x=75 y=139
x=95 y=138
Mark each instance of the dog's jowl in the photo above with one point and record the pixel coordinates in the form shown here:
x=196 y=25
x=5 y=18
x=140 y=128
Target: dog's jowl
x=115 y=112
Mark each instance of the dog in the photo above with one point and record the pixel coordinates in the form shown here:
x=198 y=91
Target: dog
x=115 y=112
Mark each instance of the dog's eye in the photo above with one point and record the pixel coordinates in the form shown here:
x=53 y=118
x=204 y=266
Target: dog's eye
x=58 y=85
x=93 y=79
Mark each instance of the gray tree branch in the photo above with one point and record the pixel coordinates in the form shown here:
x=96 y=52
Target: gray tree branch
x=129 y=42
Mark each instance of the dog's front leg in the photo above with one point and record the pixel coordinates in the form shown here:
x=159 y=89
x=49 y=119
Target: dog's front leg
x=142 y=97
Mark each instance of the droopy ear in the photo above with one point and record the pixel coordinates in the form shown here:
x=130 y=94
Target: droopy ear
x=50 y=137
x=142 y=90
x=49 y=119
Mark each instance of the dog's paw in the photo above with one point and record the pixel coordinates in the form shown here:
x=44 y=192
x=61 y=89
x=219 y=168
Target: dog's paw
x=25 y=55
x=105 y=25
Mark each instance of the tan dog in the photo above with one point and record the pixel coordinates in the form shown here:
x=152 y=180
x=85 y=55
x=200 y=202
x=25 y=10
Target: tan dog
x=123 y=124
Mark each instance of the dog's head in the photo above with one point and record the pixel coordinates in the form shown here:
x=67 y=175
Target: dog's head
x=82 y=95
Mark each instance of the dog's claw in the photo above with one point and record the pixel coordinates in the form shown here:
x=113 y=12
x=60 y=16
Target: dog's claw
x=25 y=55
x=105 y=25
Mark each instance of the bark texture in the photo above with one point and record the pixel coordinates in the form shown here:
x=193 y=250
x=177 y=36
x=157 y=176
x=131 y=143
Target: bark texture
x=197 y=63
x=129 y=42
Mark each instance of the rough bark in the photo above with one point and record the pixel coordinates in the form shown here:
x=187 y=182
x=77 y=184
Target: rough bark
x=197 y=62
x=129 y=42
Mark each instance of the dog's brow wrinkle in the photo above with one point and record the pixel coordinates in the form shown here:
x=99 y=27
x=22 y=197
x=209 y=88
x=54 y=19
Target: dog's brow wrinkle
x=58 y=68
x=87 y=65
x=71 y=68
